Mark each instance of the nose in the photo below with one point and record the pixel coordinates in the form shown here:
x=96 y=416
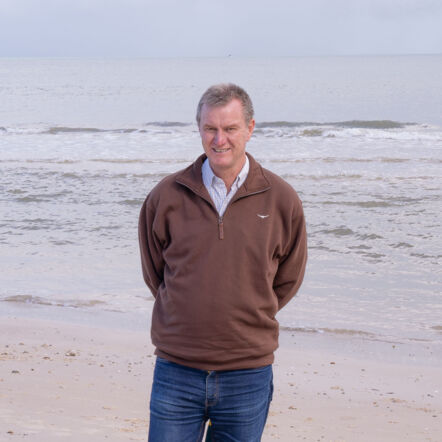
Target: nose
x=220 y=138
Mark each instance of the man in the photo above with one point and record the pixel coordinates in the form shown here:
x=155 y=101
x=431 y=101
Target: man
x=223 y=248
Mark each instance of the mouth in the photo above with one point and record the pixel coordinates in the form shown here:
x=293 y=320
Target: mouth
x=220 y=150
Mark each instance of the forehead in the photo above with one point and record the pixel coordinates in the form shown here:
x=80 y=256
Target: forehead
x=232 y=111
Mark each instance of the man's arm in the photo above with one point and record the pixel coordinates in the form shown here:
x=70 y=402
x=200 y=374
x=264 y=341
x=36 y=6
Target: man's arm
x=150 y=248
x=291 y=268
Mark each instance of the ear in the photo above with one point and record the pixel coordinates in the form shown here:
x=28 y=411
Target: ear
x=250 y=128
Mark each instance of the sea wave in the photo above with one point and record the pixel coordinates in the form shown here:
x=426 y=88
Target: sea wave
x=356 y=334
x=376 y=130
x=61 y=130
x=372 y=129
x=168 y=124
x=336 y=331
x=355 y=124
x=29 y=299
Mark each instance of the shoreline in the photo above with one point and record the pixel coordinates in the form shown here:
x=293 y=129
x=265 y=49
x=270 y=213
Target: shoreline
x=74 y=381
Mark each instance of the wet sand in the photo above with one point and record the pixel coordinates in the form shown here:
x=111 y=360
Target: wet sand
x=76 y=382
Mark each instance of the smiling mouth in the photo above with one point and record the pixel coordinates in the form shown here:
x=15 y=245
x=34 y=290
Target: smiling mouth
x=221 y=150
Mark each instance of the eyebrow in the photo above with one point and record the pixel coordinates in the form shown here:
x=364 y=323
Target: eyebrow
x=228 y=126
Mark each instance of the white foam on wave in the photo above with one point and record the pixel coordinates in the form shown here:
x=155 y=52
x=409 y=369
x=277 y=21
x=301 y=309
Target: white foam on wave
x=411 y=133
x=363 y=129
x=407 y=133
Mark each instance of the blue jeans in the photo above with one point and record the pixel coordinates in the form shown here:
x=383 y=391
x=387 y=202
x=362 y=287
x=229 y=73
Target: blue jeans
x=183 y=399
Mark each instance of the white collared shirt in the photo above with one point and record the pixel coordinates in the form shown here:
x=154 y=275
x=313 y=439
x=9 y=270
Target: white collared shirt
x=218 y=190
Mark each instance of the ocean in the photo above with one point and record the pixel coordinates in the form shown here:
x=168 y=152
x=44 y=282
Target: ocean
x=82 y=141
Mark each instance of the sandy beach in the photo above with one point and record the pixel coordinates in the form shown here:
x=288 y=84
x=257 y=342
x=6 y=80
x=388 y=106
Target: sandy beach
x=77 y=382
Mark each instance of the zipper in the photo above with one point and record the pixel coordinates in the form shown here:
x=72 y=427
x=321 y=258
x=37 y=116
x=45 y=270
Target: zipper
x=220 y=218
x=220 y=228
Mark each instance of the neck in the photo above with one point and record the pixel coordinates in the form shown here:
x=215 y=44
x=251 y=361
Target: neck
x=228 y=175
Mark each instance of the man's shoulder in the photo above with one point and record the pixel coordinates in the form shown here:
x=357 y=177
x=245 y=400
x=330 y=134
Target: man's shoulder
x=168 y=186
x=167 y=182
x=279 y=185
x=165 y=185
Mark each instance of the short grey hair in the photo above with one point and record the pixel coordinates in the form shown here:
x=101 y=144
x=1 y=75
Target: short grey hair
x=222 y=94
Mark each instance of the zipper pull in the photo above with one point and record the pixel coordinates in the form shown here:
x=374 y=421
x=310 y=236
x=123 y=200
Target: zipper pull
x=221 y=228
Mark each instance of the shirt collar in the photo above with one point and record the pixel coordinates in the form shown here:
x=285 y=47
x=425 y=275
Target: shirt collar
x=209 y=178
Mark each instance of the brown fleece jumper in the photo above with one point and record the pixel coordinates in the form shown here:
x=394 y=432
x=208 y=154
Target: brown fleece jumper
x=219 y=282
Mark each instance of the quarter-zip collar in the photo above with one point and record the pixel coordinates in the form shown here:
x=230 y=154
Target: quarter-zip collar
x=255 y=182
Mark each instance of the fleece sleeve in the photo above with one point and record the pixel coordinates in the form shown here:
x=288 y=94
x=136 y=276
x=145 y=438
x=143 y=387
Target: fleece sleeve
x=152 y=263
x=292 y=265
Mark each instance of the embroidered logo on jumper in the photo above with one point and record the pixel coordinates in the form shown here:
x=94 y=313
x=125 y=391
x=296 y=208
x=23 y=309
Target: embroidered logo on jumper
x=262 y=216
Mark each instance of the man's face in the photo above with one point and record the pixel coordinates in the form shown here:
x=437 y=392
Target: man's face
x=224 y=134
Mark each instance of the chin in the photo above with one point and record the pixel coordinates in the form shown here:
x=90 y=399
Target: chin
x=220 y=159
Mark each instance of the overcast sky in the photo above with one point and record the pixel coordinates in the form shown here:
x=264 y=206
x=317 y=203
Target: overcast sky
x=169 y=28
